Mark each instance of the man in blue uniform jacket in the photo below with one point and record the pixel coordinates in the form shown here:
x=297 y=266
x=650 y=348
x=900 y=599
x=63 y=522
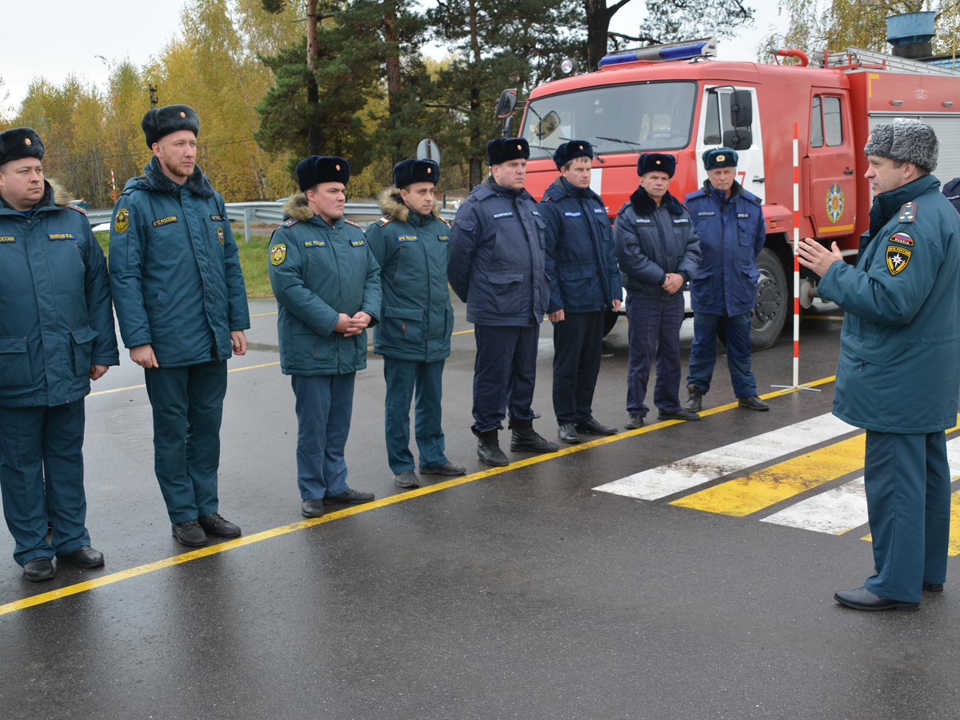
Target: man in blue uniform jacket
x=327 y=285
x=729 y=222
x=899 y=370
x=412 y=246
x=182 y=306
x=952 y=192
x=658 y=251
x=56 y=334
x=581 y=262
x=497 y=268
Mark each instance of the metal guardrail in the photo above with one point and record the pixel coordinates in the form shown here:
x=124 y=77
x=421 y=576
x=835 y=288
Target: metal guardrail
x=269 y=213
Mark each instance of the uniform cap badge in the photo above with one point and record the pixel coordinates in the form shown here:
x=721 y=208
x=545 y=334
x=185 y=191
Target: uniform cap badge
x=519 y=147
x=721 y=158
x=338 y=167
x=658 y=162
x=27 y=141
x=182 y=114
x=429 y=171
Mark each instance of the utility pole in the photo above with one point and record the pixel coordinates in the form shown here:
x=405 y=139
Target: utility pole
x=153 y=95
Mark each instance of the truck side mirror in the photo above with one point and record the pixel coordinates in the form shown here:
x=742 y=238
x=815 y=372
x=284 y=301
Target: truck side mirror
x=738 y=139
x=506 y=103
x=741 y=108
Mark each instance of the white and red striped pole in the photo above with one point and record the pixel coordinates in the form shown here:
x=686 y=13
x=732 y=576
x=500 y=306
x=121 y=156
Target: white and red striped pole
x=113 y=184
x=796 y=255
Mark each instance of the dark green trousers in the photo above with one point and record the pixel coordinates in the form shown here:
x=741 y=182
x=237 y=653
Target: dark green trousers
x=405 y=378
x=187 y=410
x=41 y=478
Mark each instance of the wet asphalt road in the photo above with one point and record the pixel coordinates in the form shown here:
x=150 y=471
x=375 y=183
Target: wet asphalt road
x=520 y=594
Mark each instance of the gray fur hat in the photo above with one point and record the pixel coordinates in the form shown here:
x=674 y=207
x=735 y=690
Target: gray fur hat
x=905 y=140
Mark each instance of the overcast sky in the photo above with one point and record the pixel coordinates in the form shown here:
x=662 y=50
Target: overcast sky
x=53 y=38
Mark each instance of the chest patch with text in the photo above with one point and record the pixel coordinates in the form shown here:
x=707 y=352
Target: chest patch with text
x=160 y=222
x=315 y=243
x=407 y=238
x=60 y=236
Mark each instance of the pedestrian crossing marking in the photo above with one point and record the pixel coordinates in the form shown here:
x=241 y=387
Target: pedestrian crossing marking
x=708 y=466
x=763 y=488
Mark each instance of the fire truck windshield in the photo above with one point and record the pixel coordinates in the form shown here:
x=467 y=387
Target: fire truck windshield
x=616 y=118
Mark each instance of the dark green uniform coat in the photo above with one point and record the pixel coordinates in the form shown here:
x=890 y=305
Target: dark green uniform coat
x=413 y=252
x=899 y=369
x=317 y=272
x=174 y=269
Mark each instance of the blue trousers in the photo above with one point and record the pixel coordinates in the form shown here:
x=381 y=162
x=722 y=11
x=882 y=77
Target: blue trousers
x=403 y=379
x=654 y=326
x=41 y=479
x=324 y=409
x=187 y=411
x=505 y=366
x=907 y=480
x=577 y=345
x=703 y=354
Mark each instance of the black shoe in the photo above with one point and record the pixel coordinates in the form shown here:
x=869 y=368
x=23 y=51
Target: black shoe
x=190 y=533
x=863 y=599
x=592 y=427
x=448 y=469
x=349 y=497
x=694 y=401
x=680 y=414
x=753 y=403
x=488 y=448
x=524 y=438
x=635 y=421
x=38 y=569
x=407 y=479
x=311 y=508
x=568 y=434
x=214 y=524
x=83 y=557
x=933 y=587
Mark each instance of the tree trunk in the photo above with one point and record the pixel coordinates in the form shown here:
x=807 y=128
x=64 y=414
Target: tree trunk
x=476 y=141
x=391 y=41
x=313 y=93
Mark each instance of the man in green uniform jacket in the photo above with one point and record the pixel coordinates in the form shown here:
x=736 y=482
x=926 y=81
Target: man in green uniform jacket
x=899 y=371
x=327 y=285
x=56 y=335
x=412 y=245
x=182 y=305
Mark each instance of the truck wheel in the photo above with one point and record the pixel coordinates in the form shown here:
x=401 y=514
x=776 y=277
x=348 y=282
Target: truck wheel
x=609 y=320
x=770 y=313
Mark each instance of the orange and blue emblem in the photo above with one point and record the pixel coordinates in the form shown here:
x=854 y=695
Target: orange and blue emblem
x=834 y=202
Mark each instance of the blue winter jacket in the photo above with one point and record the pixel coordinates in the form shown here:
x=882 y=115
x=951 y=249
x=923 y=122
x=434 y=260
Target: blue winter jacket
x=581 y=257
x=55 y=315
x=653 y=241
x=732 y=233
x=899 y=369
x=174 y=269
x=952 y=192
x=318 y=271
x=497 y=257
x=413 y=252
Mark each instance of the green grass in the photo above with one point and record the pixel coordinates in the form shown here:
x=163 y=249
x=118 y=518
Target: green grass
x=253 y=263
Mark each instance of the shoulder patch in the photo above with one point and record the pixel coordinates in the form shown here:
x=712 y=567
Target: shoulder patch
x=897 y=258
x=902 y=238
x=289 y=222
x=348 y=222
x=76 y=209
x=278 y=253
x=121 y=221
x=385 y=221
x=444 y=220
x=908 y=213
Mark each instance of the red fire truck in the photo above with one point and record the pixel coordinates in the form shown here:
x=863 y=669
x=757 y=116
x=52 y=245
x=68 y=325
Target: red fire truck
x=676 y=99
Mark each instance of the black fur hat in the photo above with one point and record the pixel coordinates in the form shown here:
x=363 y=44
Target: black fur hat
x=407 y=172
x=18 y=143
x=162 y=121
x=318 y=169
x=570 y=150
x=720 y=157
x=503 y=150
x=661 y=162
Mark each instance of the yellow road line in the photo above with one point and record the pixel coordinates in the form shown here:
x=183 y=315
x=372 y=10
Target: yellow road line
x=218 y=548
x=821 y=317
x=137 y=387
x=763 y=488
x=265 y=314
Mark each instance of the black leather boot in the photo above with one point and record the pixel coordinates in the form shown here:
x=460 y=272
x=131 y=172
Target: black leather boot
x=524 y=438
x=488 y=448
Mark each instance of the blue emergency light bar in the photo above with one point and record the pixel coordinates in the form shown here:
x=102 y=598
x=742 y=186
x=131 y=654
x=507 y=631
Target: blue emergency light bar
x=660 y=53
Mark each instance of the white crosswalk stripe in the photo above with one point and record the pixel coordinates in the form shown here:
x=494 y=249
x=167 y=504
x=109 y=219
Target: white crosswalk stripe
x=708 y=466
